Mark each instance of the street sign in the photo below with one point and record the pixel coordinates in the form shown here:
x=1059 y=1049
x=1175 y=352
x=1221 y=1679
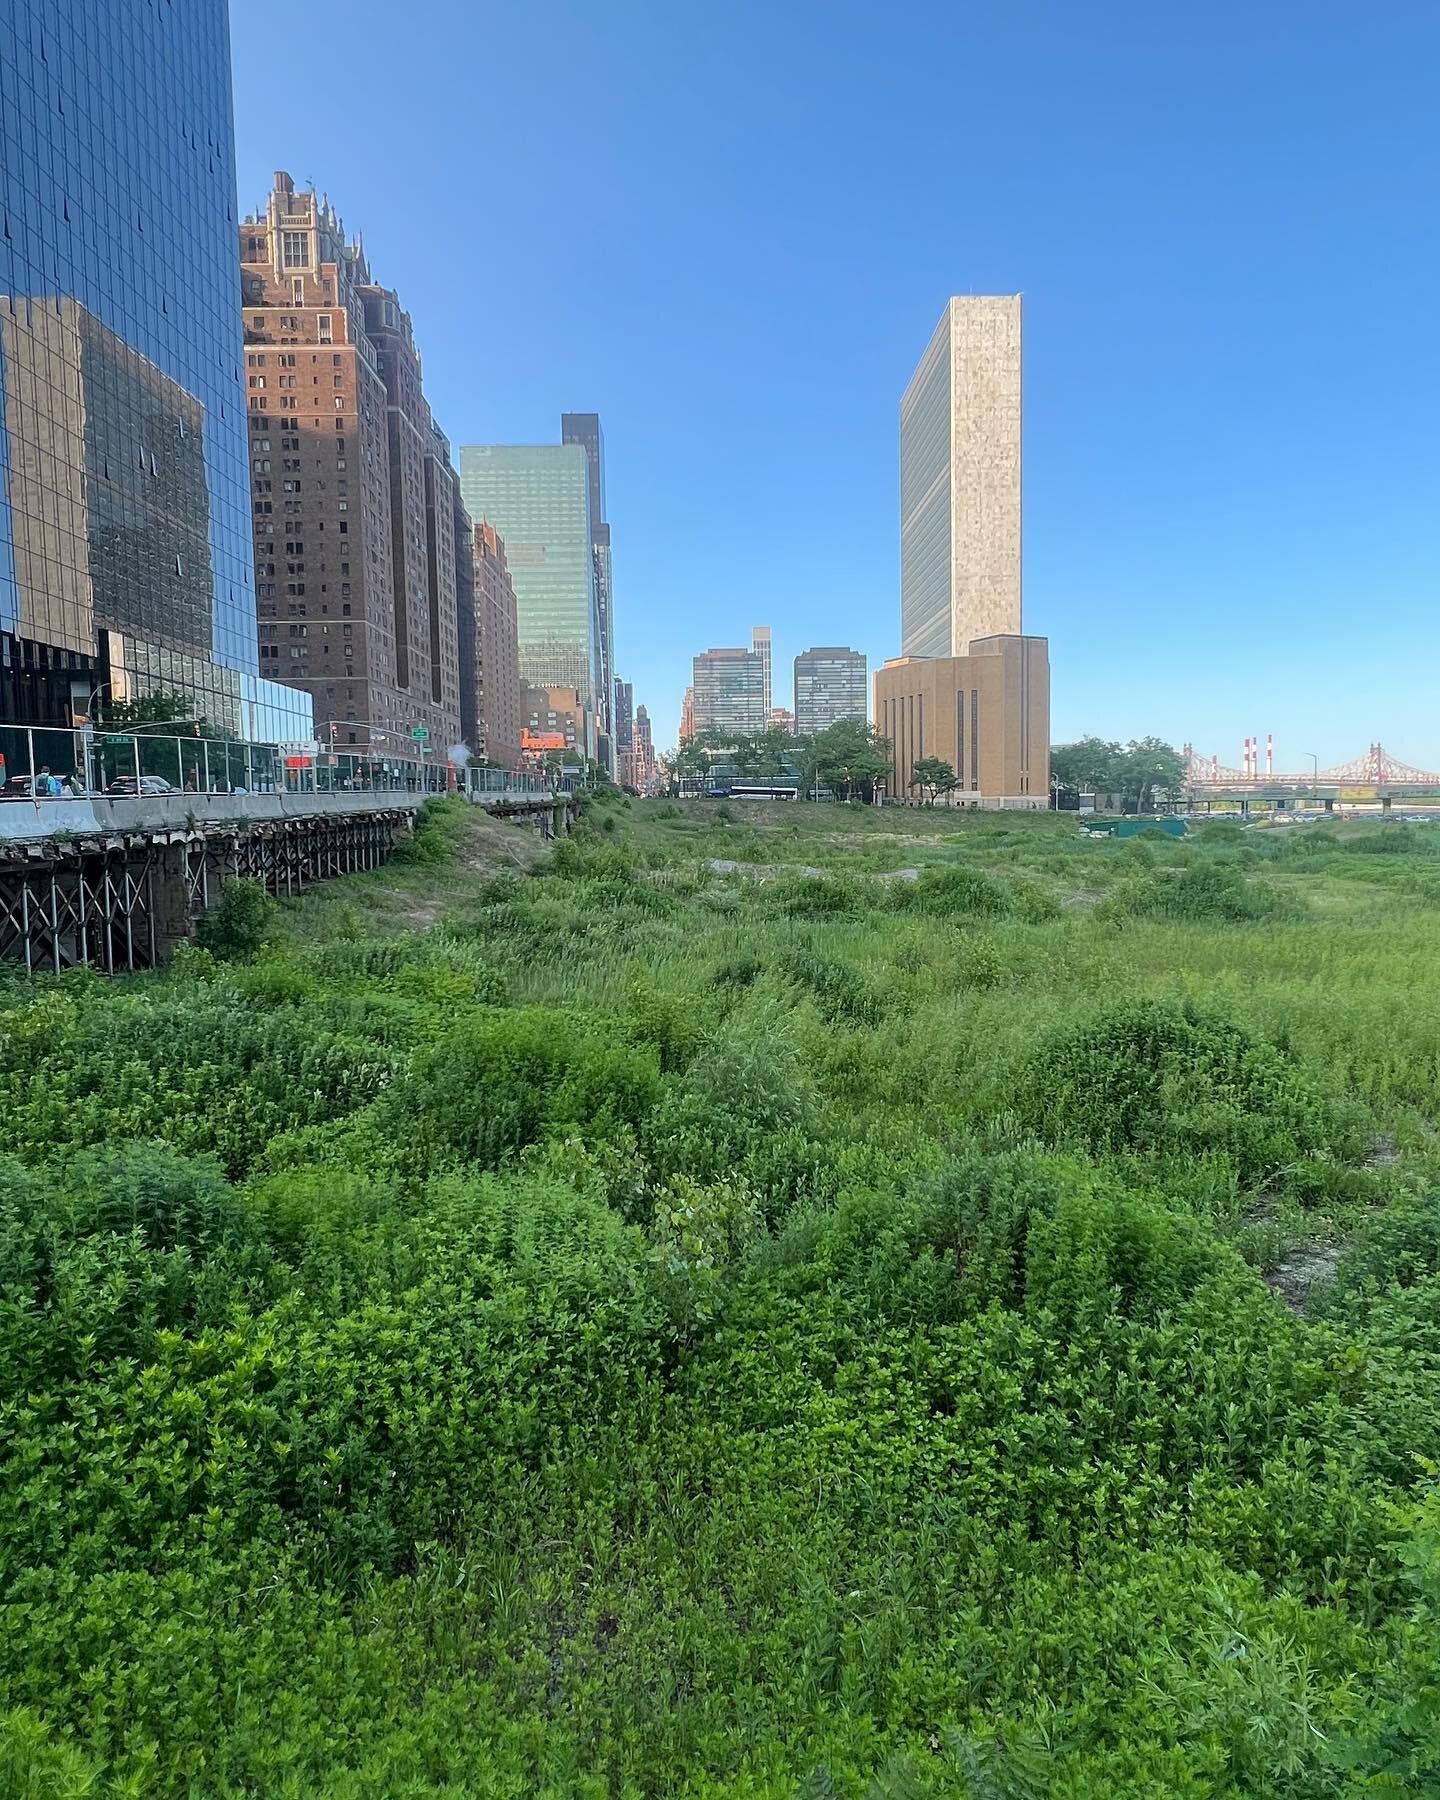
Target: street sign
x=419 y=733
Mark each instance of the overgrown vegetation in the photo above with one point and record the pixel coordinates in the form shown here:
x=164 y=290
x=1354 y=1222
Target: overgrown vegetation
x=668 y=1330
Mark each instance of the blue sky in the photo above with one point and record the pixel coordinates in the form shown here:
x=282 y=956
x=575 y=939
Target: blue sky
x=732 y=229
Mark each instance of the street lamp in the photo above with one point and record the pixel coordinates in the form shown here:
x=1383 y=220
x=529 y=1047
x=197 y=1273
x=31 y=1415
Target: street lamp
x=1314 y=767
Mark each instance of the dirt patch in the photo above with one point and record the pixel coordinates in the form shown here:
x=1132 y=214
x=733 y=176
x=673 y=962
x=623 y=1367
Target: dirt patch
x=1298 y=1273
x=498 y=847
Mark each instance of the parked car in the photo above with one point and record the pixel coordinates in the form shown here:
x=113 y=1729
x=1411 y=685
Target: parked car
x=124 y=786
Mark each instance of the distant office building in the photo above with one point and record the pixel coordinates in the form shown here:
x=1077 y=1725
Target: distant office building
x=729 y=693
x=537 y=496
x=497 y=639
x=687 y=716
x=960 y=448
x=584 y=429
x=623 y=719
x=782 y=719
x=830 y=685
x=968 y=688
x=987 y=714
x=760 y=645
x=644 y=750
x=353 y=495
x=554 y=718
x=125 y=561
x=489 y=652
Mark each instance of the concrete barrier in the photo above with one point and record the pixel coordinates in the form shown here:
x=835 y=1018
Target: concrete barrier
x=100 y=815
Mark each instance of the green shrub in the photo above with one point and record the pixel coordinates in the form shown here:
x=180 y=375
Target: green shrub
x=240 y=921
x=1205 y=892
x=841 y=993
x=953 y=893
x=497 y=1083
x=1156 y=1078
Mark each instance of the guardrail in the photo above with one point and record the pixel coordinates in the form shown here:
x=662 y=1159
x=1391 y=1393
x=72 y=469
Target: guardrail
x=39 y=762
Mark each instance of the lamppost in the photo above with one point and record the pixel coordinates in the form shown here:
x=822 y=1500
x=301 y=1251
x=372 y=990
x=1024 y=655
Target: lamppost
x=1314 y=767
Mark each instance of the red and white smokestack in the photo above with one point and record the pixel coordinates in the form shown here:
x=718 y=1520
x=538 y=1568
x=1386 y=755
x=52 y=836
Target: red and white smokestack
x=1269 y=752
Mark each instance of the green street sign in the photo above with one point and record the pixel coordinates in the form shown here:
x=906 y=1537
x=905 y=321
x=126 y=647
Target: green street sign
x=114 y=743
x=419 y=733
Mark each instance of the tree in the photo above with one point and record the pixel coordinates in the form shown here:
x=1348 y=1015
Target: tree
x=933 y=773
x=850 y=757
x=1092 y=765
x=1137 y=773
x=1151 y=769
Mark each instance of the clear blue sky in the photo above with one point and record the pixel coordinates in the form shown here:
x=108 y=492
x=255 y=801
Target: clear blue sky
x=731 y=231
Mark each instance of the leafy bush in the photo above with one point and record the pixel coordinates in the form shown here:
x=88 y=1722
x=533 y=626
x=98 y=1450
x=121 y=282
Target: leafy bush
x=1157 y=1078
x=1202 y=893
x=239 y=922
x=495 y=1084
x=841 y=993
x=953 y=893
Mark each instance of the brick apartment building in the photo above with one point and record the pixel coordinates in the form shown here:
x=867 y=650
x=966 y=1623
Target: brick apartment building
x=489 y=648
x=352 y=491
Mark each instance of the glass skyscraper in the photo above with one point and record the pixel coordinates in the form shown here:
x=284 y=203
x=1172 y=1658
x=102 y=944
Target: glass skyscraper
x=728 y=686
x=537 y=497
x=960 y=452
x=829 y=686
x=125 y=549
x=584 y=429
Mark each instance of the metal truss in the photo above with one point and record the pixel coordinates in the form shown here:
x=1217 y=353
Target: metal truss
x=95 y=905
x=1376 y=768
x=120 y=904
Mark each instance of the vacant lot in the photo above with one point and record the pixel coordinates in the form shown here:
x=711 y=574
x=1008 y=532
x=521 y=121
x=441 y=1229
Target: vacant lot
x=615 y=1325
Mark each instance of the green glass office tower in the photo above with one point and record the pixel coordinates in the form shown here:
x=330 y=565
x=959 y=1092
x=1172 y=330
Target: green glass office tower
x=537 y=496
x=584 y=429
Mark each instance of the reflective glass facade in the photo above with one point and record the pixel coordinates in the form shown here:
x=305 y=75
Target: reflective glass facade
x=829 y=686
x=584 y=429
x=925 y=499
x=960 y=480
x=124 y=482
x=729 y=693
x=537 y=497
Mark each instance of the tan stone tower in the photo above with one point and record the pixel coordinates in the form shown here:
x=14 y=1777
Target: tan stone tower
x=960 y=481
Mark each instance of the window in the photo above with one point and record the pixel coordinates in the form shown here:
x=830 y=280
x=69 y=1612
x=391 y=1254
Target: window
x=259 y=322
x=257 y=381
x=338 y=380
x=297 y=292
x=339 y=462
x=294 y=250
x=339 y=403
x=261 y=465
x=286 y=362
x=287 y=381
x=335 y=360
x=323 y=323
